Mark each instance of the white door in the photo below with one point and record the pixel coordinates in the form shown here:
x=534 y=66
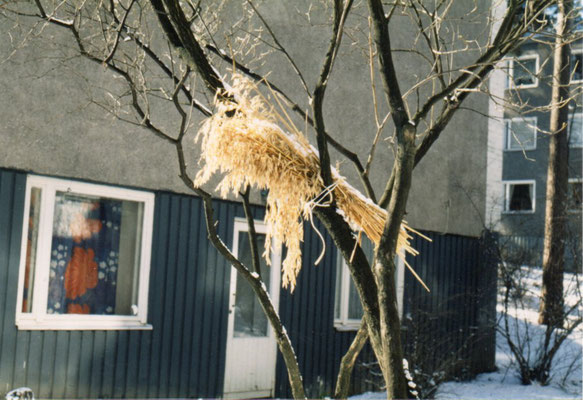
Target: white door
x=251 y=346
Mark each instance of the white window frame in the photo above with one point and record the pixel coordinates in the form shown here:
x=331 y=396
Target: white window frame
x=572 y=117
x=529 y=121
x=343 y=323
x=570 y=210
x=580 y=52
x=507 y=185
x=515 y=60
x=38 y=318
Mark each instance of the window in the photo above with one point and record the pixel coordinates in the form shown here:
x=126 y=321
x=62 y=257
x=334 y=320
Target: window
x=519 y=196
x=347 y=308
x=575 y=130
x=575 y=195
x=524 y=71
x=520 y=133
x=85 y=256
x=577 y=66
x=249 y=318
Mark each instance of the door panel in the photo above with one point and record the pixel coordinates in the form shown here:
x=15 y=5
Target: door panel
x=251 y=346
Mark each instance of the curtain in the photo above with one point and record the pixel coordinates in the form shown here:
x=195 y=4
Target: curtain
x=84 y=255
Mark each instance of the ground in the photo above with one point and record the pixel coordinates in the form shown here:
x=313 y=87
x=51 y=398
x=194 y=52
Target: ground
x=566 y=375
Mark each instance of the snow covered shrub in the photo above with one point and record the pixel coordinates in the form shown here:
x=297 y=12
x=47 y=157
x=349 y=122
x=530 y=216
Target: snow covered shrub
x=540 y=353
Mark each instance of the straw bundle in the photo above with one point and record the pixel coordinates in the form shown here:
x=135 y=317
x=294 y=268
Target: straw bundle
x=245 y=143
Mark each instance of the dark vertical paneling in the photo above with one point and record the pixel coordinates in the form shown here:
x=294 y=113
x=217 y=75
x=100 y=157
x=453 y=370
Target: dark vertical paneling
x=47 y=364
x=73 y=364
x=179 y=297
x=200 y=301
x=60 y=365
x=121 y=365
x=157 y=292
x=451 y=267
x=12 y=190
x=133 y=366
x=97 y=364
x=184 y=354
x=21 y=353
x=84 y=382
x=34 y=360
x=167 y=292
x=189 y=305
x=109 y=363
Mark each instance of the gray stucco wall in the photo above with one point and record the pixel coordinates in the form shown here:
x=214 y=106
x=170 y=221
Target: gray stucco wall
x=48 y=125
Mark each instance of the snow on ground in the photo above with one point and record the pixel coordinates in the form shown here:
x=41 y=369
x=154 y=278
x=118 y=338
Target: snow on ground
x=566 y=373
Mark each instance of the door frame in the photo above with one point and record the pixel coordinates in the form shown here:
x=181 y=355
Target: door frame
x=240 y=225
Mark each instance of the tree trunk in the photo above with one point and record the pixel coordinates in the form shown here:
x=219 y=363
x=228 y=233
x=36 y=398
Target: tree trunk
x=384 y=265
x=551 y=307
x=348 y=361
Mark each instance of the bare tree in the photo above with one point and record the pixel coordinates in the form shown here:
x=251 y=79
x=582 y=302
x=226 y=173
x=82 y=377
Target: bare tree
x=163 y=48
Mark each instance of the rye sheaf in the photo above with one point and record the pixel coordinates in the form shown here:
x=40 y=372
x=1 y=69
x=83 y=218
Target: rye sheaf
x=251 y=140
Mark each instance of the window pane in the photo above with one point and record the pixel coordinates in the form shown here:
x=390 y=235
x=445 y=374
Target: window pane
x=524 y=72
x=354 y=306
x=31 y=248
x=521 y=134
x=575 y=196
x=577 y=66
x=94 y=255
x=520 y=197
x=338 y=296
x=250 y=320
x=576 y=130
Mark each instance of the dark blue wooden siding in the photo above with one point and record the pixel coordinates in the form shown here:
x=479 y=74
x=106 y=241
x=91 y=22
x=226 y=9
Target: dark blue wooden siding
x=454 y=324
x=184 y=355
x=308 y=314
x=452 y=328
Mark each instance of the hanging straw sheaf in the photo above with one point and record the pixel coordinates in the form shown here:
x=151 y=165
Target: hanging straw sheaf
x=244 y=142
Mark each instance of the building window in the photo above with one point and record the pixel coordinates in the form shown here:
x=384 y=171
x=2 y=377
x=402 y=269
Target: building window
x=575 y=130
x=520 y=133
x=524 y=71
x=249 y=318
x=519 y=196
x=575 y=195
x=347 y=307
x=577 y=66
x=85 y=256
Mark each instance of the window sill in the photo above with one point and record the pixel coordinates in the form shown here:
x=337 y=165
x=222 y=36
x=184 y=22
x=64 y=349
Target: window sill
x=531 y=86
x=347 y=326
x=80 y=325
x=518 y=212
x=521 y=149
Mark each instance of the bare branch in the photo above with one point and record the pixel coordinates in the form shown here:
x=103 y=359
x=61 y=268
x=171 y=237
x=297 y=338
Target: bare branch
x=318 y=96
x=119 y=31
x=251 y=232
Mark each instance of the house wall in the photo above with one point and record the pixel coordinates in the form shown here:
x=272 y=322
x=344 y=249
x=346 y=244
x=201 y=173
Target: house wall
x=49 y=125
x=525 y=231
x=184 y=354
x=450 y=329
x=533 y=164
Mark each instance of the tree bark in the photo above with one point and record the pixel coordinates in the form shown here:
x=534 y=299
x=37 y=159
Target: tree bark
x=384 y=267
x=551 y=306
x=348 y=361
